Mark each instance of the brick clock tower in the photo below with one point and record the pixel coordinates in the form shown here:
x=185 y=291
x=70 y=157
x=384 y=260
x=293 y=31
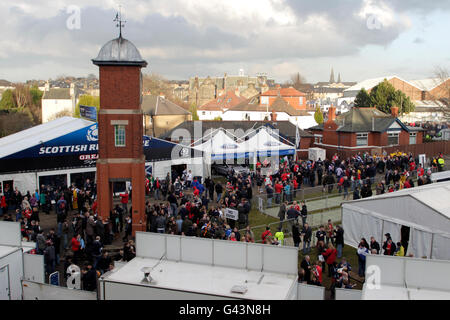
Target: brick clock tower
x=120 y=129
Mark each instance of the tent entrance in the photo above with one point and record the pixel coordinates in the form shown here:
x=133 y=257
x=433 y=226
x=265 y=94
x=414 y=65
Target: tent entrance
x=404 y=234
x=53 y=182
x=177 y=170
x=79 y=178
x=8 y=184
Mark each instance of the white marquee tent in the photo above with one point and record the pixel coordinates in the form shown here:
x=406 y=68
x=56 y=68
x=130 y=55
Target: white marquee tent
x=221 y=146
x=264 y=143
x=425 y=210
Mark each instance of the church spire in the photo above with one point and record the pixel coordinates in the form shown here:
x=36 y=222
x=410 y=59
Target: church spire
x=332 y=76
x=339 y=78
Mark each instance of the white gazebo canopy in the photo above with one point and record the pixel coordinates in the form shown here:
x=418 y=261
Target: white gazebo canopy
x=221 y=146
x=264 y=143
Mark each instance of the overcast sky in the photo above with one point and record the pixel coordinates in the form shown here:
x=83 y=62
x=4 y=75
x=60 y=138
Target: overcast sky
x=362 y=39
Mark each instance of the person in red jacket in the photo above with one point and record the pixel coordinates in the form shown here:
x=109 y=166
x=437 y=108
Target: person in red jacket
x=2 y=205
x=330 y=256
x=278 y=189
x=124 y=201
x=420 y=171
x=266 y=234
x=76 y=246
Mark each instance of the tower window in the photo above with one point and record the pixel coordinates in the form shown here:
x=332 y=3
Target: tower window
x=119 y=135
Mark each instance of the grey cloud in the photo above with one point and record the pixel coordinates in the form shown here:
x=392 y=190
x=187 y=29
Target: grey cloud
x=186 y=41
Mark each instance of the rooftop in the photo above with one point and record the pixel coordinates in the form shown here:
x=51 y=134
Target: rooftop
x=286 y=128
x=279 y=105
x=223 y=102
x=119 y=51
x=284 y=92
x=159 y=106
x=206 y=279
x=57 y=94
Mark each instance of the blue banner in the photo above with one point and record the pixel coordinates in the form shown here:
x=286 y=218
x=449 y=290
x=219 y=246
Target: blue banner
x=88 y=112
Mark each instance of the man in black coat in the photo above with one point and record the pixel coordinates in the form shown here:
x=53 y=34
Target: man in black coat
x=219 y=190
x=339 y=240
x=89 y=278
x=307 y=234
x=366 y=191
x=374 y=245
x=211 y=188
x=306 y=265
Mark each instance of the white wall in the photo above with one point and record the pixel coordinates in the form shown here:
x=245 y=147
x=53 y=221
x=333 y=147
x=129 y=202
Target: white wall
x=51 y=107
x=23 y=181
x=120 y=291
x=309 y=292
x=34 y=267
x=348 y=294
x=217 y=252
x=40 y=291
x=15 y=270
x=209 y=115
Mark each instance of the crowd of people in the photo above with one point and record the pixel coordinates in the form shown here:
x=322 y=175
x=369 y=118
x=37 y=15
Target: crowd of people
x=185 y=205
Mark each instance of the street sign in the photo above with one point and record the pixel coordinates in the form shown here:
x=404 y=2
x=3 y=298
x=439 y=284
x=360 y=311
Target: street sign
x=88 y=112
x=231 y=214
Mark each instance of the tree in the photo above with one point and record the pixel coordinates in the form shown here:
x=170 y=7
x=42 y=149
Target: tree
x=86 y=100
x=14 y=122
x=63 y=113
x=22 y=96
x=318 y=115
x=383 y=97
x=193 y=111
x=362 y=99
x=7 y=102
x=297 y=80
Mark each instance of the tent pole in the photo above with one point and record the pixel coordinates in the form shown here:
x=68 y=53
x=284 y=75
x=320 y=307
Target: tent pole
x=431 y=247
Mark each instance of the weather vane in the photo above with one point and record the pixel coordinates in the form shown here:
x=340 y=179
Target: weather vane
x=119 y=21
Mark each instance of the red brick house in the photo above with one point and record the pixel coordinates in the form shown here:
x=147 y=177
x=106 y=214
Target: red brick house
x=363 y=129
x=292 y=96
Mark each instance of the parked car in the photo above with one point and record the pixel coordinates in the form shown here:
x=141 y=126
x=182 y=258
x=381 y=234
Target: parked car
x=226 y=169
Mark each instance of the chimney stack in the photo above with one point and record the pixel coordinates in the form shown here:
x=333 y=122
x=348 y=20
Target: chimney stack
x=273 y=116
x=331 y=113
x=394 y=112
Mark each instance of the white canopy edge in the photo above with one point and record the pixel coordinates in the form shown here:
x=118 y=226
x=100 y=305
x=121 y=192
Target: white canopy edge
x=40 y=134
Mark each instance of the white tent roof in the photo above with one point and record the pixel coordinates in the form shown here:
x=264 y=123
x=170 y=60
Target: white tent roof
x=220 y=143
x=264 y=141
x=40 y=134
x=426 y=207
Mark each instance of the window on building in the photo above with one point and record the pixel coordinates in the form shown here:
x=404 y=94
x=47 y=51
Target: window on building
x=412 y=138
x=318 y=139
x=393 y=138
x=203 y=112
x=362 y=139
x=300 y=100
x=264 y=100
x=119 y=135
